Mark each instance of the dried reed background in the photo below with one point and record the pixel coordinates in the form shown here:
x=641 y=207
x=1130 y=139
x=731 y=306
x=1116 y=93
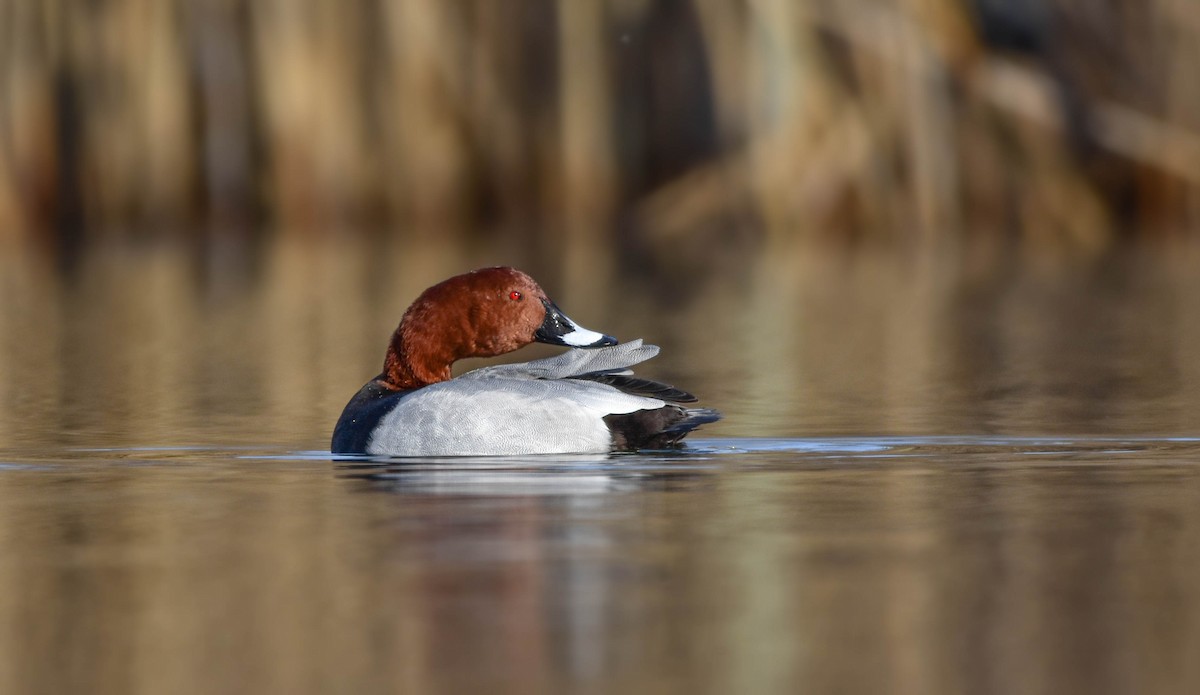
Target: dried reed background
x=635 y=122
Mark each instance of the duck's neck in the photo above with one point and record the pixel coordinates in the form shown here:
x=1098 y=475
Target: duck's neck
x=412 y=362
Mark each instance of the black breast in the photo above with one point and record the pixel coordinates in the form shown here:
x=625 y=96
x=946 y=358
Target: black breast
x=361 y=415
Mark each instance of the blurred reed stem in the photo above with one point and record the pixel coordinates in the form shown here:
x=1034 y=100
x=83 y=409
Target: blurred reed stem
x=573 y=126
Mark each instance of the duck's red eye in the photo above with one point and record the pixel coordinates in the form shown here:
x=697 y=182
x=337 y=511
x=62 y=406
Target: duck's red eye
x=514 y=295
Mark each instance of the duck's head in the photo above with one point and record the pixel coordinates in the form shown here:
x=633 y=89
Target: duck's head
x=483 y=313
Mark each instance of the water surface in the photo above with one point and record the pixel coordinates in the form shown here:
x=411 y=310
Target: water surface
x=930 y=479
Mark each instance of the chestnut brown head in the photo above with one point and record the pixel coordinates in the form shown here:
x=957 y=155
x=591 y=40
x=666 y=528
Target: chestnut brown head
x=483 y=313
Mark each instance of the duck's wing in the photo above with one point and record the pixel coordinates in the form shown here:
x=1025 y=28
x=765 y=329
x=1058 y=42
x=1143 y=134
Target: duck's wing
x=615 y=360
x=640 y=387
x=609 y=365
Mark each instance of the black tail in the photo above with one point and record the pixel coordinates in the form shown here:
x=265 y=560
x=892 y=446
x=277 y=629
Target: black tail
x=693 y=418
x=656 y=428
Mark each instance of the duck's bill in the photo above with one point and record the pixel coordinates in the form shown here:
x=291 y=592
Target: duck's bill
x=559 y=329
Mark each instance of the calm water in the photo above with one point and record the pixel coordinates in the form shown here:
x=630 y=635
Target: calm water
x=933 y=477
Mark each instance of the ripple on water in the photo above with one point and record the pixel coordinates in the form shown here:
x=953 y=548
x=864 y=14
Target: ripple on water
x=699 y=454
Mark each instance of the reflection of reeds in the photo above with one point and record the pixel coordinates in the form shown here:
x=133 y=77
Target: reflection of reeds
x=919 y=120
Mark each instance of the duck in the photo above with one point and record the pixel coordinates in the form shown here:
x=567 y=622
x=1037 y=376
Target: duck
x=583 y=401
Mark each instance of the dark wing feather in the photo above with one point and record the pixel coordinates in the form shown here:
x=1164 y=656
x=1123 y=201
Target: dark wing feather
x=640 y=387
